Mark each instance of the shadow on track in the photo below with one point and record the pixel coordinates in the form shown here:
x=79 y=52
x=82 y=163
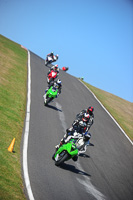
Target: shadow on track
x=84 y=155
x=73 y=169
x=91 y=144
x=53 y=107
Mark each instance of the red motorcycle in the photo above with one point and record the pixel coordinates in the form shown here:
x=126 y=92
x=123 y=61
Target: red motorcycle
x=65 y=68
x=52 y=76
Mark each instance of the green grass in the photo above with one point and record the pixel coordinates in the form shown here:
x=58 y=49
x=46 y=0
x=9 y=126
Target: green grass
x=13 y=89
x=120 y=109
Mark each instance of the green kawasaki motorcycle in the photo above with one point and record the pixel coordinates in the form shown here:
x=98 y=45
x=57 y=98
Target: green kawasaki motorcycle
x=66 y=152
x=50 y=95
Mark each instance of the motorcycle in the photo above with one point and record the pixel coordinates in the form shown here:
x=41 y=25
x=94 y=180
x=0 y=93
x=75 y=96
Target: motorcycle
x=65 y=68
x=50 y=95
x=51 y=77
x=49 y=60
x=66 y=152
x=81 y=140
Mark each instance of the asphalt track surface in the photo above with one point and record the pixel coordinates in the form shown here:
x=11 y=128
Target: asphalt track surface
x=105 y=171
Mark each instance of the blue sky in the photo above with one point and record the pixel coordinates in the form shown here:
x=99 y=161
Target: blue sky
x=94 y=38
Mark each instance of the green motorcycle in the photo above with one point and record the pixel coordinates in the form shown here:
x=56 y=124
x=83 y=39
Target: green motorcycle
x=50 y=95
x=66 y=152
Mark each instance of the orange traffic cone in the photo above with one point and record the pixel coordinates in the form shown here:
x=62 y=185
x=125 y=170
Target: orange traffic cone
x=10 y=148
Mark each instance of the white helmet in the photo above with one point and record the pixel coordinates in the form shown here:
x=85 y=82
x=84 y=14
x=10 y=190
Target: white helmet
x=59 y=81
x=56 y=67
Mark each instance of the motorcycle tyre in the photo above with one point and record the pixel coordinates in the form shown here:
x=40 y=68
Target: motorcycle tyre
x=53 y=156
x=51 y=80
x=46 y=63
x=75 y=158
x=62 y=159
x=47 y=101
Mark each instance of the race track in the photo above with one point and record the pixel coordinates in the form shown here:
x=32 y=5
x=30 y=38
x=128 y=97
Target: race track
x=105 y=171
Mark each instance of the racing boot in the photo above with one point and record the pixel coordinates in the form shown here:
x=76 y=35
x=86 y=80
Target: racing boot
x=75 y=158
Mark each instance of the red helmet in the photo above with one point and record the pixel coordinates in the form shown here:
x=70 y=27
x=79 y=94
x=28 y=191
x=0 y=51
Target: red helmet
x=86 y=117
x=90 y=110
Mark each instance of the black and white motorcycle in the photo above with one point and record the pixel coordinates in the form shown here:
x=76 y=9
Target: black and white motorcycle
x=50 y=60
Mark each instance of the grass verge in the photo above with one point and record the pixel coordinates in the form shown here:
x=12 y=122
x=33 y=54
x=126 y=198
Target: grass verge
x=120 y=109
x=13 y=89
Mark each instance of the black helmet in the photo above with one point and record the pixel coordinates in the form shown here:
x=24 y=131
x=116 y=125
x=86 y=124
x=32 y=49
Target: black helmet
x=90 y=110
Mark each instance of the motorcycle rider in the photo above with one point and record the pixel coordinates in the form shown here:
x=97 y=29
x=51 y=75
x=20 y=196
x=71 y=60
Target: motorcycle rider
x=86 y=139
x=89 y=111
x=55 y=69
x=50 y=55
x=78 y=128
x=85 y=115
x=53 y=73
x=85 y=118
x=54 y=58
x=65 y=68
x=56 y=84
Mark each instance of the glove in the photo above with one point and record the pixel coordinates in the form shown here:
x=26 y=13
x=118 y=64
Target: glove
x=69 y=129
x=75 y=122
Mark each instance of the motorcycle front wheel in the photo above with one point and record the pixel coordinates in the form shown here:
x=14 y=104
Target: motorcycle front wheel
x=46 y=62
x=47 y=101
x=62 y=157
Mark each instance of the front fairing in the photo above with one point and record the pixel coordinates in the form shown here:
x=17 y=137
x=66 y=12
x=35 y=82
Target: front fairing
x=69 y=147
x=52 y=74
x=50 y=59
x=52 y=92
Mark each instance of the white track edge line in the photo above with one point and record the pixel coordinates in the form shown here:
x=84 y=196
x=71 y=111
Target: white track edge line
x=26 y=135
x=108 y=113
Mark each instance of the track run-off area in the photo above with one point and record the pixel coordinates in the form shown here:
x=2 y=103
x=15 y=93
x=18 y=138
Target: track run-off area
x=103 y=172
